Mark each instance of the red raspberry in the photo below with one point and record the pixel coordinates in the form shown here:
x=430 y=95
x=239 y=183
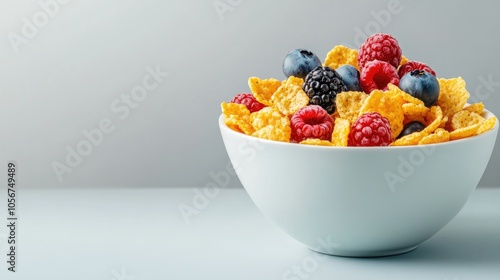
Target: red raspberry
x=380 y=46
x=311 y=121
x=377 y=75
x=248 y=100
x=414 y=65
x=371 y=129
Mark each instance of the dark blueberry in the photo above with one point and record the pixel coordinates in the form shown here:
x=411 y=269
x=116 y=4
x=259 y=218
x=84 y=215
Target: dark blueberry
x=299 y=63
x=350 y=77
x=422 y=85
x=409 y=128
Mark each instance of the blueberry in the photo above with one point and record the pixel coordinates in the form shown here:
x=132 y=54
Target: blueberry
x=421 y=85
x=409 y=128
x=350 y=77
x=299 y=63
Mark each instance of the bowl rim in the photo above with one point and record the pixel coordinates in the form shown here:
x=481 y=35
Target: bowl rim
x=487 y=114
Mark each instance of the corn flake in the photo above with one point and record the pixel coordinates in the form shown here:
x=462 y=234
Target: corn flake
x=404 y=60
x=270 y=124
x=394 y=91
x=414 y=112
x=464 y=132
x=487 y=125
x=341 y=131
x=292 y=80
x=341 y=55
x=240 y=125
x=275 y=133
x=433 y=119
x=263 y=89
x=477 y=108
x=289 y=98
x=349 y=103
x=452 y=96
x=464 y=119
x=237 y=117
x=410 y=139
x=440 y=135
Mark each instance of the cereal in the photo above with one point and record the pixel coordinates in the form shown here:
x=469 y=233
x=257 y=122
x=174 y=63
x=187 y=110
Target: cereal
x=289 y=98
x=266 y=116
x=270 y=124
x=230 y=109
x=341 y=55
x=341 y=131
x=240 y=125
x=404 y=60
x=433 y=119
x=450 y=118
x=317 y=142
x=413 y=112
x=237 y=117
x=452 y=96
x=276 y=133
x=263 y=89
x=388 y=106
x=394 y=91
x=464 y=119
x=440 y=135
x=410 y=139
x=413 y=108
x=477 y=108
x=464 y=132
x=349 y=104
x=487 y=125
x=293 y=81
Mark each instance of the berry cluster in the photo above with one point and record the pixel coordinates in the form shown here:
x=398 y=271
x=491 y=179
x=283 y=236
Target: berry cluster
x=307 y=108
x=379 y=59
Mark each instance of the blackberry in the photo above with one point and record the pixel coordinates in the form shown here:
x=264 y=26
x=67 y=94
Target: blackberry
x=322 y=85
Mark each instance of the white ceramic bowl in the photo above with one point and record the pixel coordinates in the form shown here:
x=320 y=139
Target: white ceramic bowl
x=359 y=201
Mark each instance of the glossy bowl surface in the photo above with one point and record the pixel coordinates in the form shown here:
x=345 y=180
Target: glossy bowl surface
x=359 y=201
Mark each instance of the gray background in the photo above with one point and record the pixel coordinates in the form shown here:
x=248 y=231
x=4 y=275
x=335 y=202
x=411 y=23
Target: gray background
x=66 y=77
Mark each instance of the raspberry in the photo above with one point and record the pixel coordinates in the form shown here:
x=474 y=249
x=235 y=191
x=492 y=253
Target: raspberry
x=249 y=101
x=377 y=75
x=414 y=65
x=382 y=47
x=311 y=121
x=322 y=85
x=371 y=129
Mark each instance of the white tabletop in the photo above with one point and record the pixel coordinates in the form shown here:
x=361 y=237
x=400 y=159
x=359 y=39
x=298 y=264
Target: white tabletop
x=125 y=234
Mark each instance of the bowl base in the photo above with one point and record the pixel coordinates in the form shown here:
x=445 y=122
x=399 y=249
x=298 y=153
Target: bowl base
x=366 y=254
